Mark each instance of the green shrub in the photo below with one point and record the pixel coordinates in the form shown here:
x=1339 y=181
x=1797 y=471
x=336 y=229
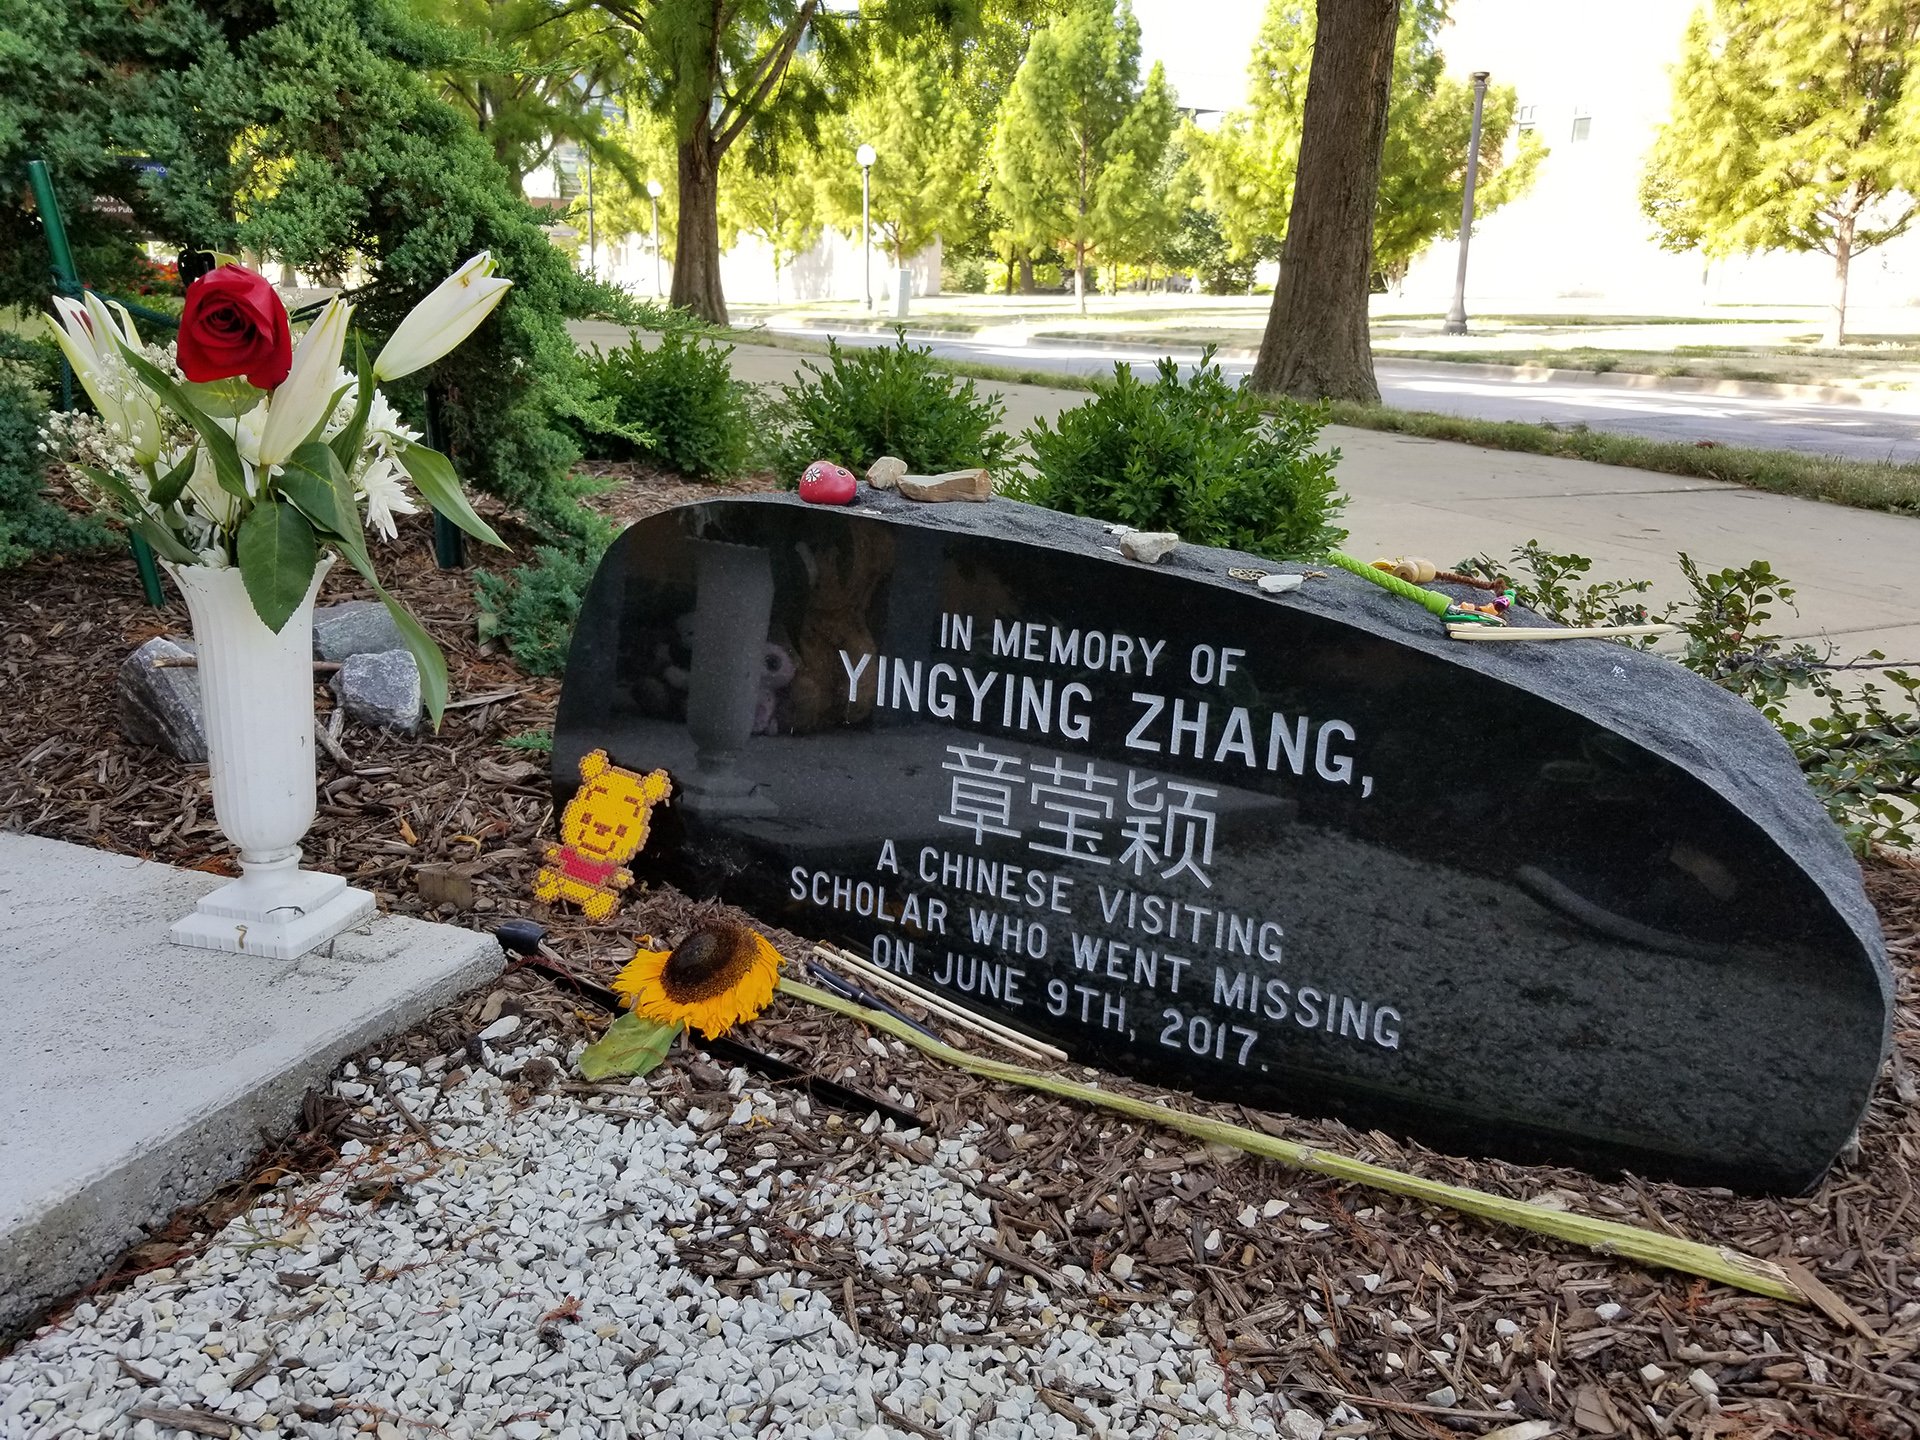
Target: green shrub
x=30 y=524
x=532 y=609
x=1861 y=757
x=1200 y=457
x=964 y=275
x=889 y=401
x=679 y=405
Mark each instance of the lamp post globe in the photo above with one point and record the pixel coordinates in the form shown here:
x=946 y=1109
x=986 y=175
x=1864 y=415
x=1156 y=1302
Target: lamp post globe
x=654 y=191
x=866 y=155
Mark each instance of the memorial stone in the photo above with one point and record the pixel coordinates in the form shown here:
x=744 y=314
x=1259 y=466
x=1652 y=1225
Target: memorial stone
x=1544 y=901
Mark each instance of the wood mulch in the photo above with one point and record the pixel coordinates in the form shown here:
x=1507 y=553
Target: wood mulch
x=1418 y=1319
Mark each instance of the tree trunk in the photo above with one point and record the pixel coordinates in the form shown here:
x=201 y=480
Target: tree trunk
x=1009 y=271
x=1316 y=343
x=696 y=247
x=1080 y=276
x=1026 y=275
x=1836 y=335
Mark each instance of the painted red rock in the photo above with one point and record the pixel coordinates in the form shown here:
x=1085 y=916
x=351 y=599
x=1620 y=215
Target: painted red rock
x=825 y=483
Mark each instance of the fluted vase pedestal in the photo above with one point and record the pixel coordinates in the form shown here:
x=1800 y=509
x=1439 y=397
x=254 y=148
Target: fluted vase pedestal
x=256 y=690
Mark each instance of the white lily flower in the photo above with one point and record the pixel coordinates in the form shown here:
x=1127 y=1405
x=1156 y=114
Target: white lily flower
x=90 y=337
x=302 y=400
x=441 y=321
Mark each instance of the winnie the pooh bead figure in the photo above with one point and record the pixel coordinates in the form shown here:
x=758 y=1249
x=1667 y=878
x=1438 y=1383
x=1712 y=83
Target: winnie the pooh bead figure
x=604 y=825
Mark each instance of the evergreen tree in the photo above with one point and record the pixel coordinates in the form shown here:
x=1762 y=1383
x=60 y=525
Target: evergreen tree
x=647 y=151
x=84 y=85
x=925 y=148
x=1248 y=164
x=1077 y=129
x=1791 y=130
x=776 y=199
x=529 y=74
x=719 y=71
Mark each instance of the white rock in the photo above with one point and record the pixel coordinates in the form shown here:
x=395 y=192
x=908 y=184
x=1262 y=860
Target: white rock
x=1302 y=1425
x=1149 y=547
x=1704 y=1383
x=501 y=1028
x=1280 y=584
x=1121 y=1267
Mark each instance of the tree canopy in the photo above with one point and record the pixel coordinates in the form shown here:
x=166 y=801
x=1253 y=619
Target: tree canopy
x=925 y=147
x=1793 y=128
x=1080 y=135
x=1247 y=166
x=721 y=72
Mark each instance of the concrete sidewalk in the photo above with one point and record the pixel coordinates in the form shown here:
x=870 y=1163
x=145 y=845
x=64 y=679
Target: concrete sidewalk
x=1857 y=572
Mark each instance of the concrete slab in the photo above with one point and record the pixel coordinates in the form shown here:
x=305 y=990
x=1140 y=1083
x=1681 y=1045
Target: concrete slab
x=139 y=1074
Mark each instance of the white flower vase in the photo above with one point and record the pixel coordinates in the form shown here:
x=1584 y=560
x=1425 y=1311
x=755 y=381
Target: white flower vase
x=256 y=693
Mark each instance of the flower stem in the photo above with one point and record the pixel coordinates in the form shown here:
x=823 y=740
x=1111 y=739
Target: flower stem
x=1608 y=1237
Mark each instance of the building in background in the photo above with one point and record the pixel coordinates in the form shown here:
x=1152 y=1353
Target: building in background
x=1593 y=83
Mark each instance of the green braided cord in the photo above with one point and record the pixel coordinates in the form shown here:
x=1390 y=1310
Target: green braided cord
x=1431 y=599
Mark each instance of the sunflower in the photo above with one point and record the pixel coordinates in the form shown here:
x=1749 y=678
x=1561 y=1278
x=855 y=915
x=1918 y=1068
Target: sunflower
x=719 y=975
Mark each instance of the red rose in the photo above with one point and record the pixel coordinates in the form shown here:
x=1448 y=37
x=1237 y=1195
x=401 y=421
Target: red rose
x=234 y=324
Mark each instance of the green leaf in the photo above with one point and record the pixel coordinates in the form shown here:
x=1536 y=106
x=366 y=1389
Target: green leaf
x=632 y=1045
x=168 y=487
x=134 y=514
x=346 y=445
x=426 y=654
x=433 y=474
x=228 y=399
x=226 y=456
x=278 y=551
x=308 y=479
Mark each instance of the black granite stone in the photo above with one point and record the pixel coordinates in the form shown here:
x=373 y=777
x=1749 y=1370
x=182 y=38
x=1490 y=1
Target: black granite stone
x=1554 y=901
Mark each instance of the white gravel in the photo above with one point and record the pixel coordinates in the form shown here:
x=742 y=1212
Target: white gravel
x=530 y=1284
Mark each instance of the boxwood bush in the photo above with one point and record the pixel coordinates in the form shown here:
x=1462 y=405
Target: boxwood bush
x=888 y=401
x=1199 y=456
x=679 y=406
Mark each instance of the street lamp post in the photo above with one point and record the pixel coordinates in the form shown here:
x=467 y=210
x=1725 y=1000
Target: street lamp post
x=654 y=187
x=593 y=262
x=866 y=155
x=1457 y=313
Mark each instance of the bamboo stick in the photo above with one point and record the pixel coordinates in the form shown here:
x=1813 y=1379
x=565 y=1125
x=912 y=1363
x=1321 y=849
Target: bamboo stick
x=1608 y=1237
x=1000 y=1034
x=1579 y=632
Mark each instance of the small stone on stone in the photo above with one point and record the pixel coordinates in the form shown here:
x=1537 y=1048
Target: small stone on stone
x=1148 y=546
x=1280 y=584
x=885 y=473
x=974 y=484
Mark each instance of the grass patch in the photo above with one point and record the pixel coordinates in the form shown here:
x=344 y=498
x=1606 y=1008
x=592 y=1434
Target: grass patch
x=1862 y=484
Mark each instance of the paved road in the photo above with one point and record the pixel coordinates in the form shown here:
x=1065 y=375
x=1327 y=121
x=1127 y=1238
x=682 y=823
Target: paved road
x=1862 y=432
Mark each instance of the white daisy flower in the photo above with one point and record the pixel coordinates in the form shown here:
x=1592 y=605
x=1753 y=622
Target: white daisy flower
x=379 y=485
